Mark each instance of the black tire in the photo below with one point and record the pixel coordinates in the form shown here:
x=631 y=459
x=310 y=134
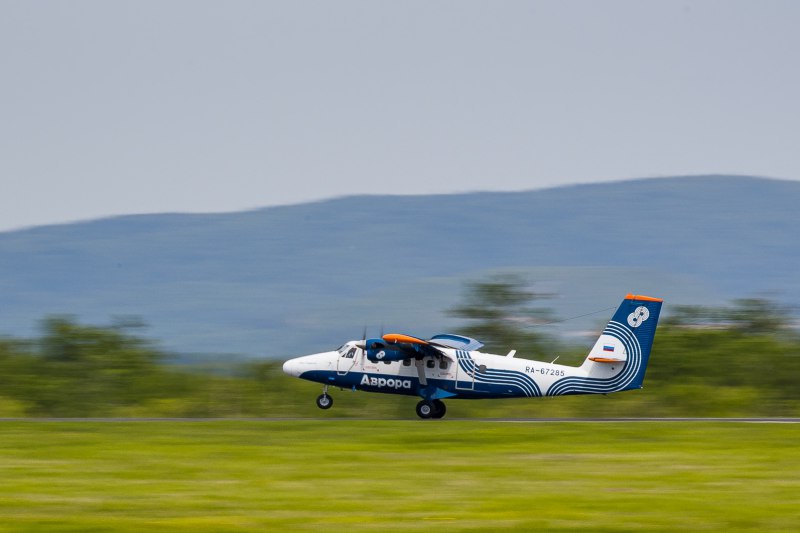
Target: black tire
x=324 y=401
x=439 y=409
x=425 y=409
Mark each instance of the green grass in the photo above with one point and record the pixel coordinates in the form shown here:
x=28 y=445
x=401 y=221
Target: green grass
x=337 y=475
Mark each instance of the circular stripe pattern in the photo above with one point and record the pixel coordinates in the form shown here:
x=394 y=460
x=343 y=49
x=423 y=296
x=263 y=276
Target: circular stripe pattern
x=579 y=385
x=507 y=378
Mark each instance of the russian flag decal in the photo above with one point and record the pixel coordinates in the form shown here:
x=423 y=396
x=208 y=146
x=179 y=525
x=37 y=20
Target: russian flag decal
x=608 y=348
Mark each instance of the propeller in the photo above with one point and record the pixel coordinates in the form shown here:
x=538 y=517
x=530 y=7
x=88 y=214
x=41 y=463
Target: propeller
x=363 y=343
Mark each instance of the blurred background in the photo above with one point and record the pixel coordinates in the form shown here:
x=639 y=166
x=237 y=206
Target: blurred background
x=193 y=192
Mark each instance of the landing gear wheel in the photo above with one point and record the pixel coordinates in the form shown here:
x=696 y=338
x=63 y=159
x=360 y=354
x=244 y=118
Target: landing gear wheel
x=425 y=409
x=439 y=409
x=324 y=401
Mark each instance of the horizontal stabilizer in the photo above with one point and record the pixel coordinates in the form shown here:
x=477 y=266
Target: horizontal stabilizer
x=606 y=360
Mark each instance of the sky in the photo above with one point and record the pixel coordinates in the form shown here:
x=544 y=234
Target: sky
x=111 y=108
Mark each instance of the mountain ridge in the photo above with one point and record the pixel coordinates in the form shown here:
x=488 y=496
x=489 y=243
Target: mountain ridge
x=266 y=281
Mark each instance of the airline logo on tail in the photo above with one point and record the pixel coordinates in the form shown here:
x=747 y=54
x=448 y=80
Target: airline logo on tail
x=636 y=318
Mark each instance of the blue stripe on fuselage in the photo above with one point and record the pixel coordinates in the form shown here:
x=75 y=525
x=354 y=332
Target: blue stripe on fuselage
x=388 y=384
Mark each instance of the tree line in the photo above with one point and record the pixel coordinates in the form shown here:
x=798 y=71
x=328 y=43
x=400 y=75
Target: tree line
x=737 y=360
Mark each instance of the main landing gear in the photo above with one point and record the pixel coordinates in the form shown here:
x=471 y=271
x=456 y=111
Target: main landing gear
x=425 y=408
x=323 y=400
x=431 y=409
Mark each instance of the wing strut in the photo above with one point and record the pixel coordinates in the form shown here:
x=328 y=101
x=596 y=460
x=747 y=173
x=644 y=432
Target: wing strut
x=419 y=363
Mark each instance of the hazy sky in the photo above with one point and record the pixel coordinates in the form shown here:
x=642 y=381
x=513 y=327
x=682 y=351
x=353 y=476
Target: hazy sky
x=130 y=107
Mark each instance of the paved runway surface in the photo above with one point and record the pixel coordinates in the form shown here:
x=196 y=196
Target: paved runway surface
x=513 y=420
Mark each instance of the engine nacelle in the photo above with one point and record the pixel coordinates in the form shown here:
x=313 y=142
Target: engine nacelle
x=378 y=350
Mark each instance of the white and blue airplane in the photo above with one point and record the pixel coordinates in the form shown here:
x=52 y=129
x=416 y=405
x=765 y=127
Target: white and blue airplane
x=452 y=367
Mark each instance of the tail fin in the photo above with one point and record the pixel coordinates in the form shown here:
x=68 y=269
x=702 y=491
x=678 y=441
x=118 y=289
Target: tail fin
x=628 y=337
x=619 y=358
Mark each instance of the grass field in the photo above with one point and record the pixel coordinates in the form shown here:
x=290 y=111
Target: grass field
x=450 y=475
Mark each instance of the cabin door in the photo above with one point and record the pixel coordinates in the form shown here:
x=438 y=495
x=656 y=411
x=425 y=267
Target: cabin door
x=465 y=380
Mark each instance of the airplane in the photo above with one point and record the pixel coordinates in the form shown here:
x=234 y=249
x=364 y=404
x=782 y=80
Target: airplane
x=449 y=366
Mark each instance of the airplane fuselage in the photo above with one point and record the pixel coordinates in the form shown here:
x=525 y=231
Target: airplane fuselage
x=464 y=374
x=452 y=366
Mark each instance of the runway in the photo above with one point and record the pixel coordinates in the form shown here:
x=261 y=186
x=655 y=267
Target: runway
x=762 y=420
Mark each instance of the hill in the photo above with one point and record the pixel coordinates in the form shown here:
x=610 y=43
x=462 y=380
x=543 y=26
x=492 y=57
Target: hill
x=296 y=279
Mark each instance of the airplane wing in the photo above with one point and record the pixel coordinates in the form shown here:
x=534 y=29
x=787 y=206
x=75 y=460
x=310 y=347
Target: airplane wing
x=399 y=337
x=398 y=347
x=401 y=347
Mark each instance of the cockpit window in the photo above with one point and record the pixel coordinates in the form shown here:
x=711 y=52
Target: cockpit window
x=347 y=351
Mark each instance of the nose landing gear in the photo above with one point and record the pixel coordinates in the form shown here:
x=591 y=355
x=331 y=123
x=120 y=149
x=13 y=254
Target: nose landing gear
x=323 y=400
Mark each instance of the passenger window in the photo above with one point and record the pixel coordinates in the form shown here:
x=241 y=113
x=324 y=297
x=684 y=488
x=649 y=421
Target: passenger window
x=443 y=364
x=482 y=368
x=387 y=362
x=431 y=363
x=406 y=362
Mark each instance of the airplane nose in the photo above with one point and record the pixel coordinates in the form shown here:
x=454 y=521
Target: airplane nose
x=290 y=367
